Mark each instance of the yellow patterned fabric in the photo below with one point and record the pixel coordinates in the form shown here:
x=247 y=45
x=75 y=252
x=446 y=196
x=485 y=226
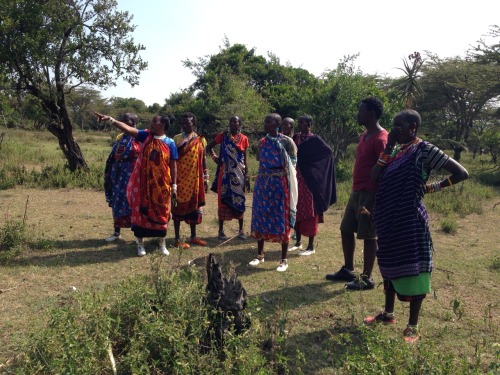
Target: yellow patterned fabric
x=190 y=189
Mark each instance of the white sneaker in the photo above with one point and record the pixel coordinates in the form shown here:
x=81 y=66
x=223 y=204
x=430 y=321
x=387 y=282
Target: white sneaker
x=141 y=251
x=113 y=237
x=256 y=262
x=307 y=252
x=283 y=266
x=295 y=247
x=163 y=250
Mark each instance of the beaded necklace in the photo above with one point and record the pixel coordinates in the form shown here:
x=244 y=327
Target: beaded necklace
x=405 y=147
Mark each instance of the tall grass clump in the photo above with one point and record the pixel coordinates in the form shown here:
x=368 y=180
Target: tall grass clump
x=16 y=237
x=12 y=240
x=155 y=324
x=463 y=199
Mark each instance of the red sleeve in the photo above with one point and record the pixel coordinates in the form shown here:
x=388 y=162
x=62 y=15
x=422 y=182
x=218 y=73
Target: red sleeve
x=244 y=143
x=380 y=143
x=218 y=138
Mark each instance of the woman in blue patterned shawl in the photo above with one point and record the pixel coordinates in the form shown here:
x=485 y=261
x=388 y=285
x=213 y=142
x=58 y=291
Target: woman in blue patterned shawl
x=275 y=191
x=119 y=167
x=404 y=242
x=231 y=177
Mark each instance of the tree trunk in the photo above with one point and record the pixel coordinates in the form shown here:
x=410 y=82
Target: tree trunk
x=457 y=152
x=63 y=130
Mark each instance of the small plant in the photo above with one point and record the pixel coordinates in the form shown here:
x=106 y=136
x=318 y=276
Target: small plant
x=449 y=225
x=495 y=264
x=458 y=308
x=12 y=239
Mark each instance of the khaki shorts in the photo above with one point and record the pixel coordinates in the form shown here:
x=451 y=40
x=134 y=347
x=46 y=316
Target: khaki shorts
x=358 y=215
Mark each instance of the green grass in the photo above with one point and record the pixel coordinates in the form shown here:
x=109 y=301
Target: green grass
x=155 y=324
x=314 y=326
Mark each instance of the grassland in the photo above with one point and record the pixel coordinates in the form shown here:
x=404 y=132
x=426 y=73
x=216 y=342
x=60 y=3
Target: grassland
x=459 y=321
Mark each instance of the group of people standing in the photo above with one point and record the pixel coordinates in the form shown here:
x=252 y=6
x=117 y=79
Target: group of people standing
x=294 y=186
x=151 y=178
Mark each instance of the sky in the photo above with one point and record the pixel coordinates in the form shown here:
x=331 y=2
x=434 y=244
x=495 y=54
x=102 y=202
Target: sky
x=314 y=34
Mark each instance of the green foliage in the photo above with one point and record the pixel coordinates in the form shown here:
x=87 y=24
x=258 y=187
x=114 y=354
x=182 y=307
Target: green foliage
x=463 y=199
x=449 y=225
x=456 y=91
x=409 y=86
x=154 y=324
x=335 y=105
x=52 y=177
x=15 y=237
x=495 y=263
x=365 y=351
x=12 y=240
x=51 y=47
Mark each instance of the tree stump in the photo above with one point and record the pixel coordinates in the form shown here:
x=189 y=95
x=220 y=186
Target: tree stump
x=229 y=300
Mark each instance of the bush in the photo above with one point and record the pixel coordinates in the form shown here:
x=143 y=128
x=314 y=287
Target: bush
x=449 y=225
x=12 y=240
x=489 y=178
x=149 y=324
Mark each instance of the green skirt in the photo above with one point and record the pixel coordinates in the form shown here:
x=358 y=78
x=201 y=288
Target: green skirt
x=413 y=285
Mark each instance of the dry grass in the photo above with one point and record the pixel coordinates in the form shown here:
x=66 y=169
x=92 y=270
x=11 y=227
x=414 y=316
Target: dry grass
x=79 y=220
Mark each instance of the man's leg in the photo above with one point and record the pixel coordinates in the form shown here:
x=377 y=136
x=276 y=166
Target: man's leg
x=348 y=247
x=369 y=255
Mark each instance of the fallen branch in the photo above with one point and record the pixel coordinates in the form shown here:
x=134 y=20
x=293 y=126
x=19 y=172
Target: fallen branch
x=226 y=241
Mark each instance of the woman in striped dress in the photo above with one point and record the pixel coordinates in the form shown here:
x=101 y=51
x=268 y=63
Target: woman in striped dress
x=404 y=242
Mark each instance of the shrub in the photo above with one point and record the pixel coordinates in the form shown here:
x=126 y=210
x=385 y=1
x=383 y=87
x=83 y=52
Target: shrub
x=148 y=324
x=495 y=263
x=449 y=225
x=12 y=240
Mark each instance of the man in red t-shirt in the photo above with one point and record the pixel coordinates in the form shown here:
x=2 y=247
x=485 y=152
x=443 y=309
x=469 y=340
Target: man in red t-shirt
x=358 y=212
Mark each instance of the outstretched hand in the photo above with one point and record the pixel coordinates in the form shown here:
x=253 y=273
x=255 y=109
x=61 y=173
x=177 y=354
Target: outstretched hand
x=101 y=117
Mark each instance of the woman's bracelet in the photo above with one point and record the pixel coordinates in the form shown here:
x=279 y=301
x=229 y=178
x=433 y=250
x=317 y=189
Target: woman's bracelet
x=383 y=159
x=174 y=186
x=111 y=120
x=433 y=188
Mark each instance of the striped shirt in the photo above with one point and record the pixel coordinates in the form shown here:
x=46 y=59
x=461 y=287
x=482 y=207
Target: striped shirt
x=433 y=158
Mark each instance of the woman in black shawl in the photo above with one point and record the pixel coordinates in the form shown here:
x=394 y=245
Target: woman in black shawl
x=316 y=183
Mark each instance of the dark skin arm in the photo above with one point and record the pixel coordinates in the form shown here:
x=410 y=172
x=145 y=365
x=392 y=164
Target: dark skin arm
x=133 y=132
x=211 y=152
x=173 y=175
x=391 y=142
x=458 y=173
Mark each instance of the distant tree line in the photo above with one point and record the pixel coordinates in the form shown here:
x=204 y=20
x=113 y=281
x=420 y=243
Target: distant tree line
x=54 y=56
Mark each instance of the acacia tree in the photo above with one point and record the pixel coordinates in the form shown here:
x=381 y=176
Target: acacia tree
x=457 y=91
x=50 y=47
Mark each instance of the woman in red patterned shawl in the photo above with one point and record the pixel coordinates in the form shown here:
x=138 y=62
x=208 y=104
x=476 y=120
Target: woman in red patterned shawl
x=152 y=184
x=192 y=180
x=232 y=175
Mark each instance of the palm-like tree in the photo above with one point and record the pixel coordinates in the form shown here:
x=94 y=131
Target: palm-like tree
x=408 y=85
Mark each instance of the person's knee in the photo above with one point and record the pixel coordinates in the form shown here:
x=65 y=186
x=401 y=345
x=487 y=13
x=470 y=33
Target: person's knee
x=346 y=233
